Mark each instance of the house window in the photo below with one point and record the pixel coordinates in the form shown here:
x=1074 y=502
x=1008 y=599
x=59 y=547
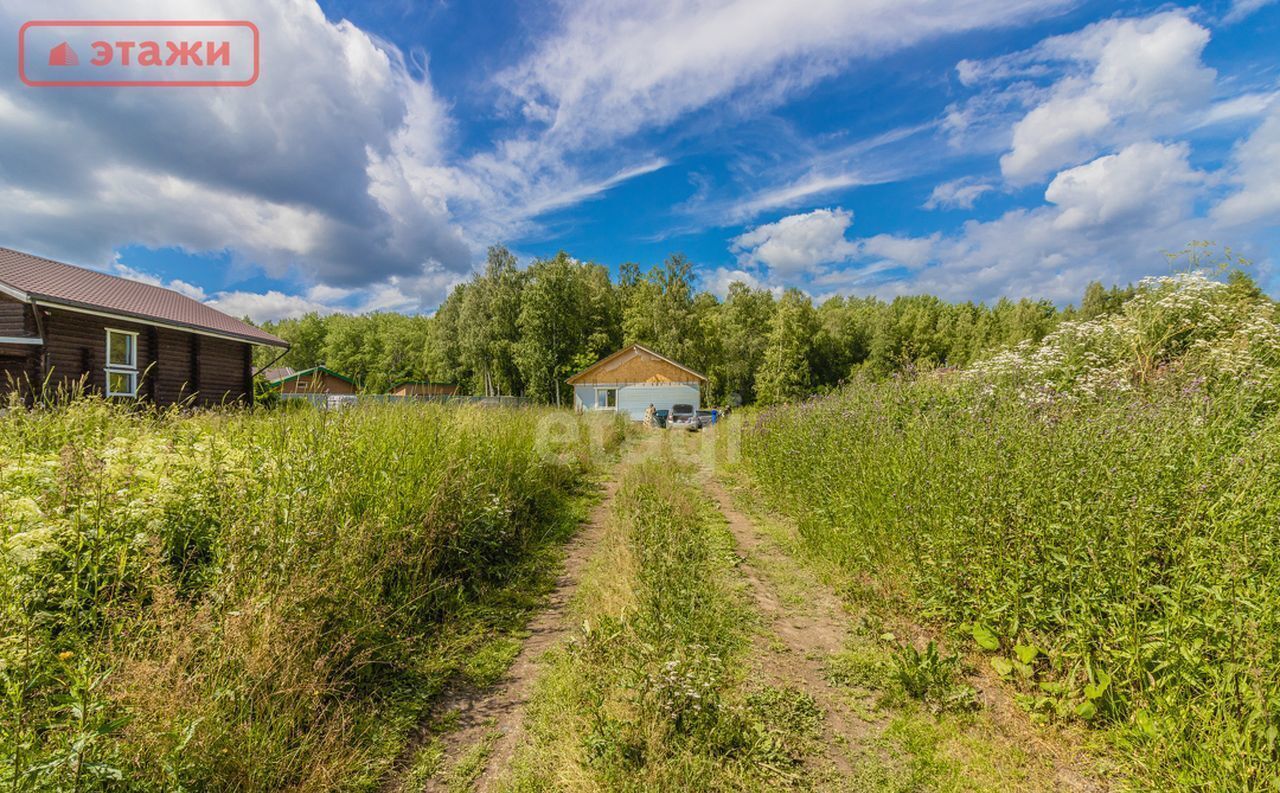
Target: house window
x=606 y=397
x=122 y=363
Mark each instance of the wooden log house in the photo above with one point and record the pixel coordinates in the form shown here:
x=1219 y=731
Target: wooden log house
x=70 y=326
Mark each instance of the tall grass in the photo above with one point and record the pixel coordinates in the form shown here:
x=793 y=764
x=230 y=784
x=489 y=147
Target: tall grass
x=1120 y=553
x=239 y=600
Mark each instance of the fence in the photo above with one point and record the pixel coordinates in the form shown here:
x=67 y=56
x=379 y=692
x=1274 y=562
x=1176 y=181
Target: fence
x=348 y=400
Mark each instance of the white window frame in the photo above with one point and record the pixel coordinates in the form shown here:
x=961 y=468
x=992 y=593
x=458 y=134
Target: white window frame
x=131 y=371
x=614 y=406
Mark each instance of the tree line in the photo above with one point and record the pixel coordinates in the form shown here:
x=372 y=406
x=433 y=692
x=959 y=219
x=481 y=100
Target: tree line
x=523 y=332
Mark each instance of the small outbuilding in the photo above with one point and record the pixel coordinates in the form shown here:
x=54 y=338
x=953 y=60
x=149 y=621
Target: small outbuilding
x=316 y=380
x=633 y=378
x=422 y=388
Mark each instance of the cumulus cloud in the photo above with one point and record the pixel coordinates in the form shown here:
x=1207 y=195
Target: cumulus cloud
x=1255 y=164
x=1150 y=183
x=1072 y=97
x=270 y=306
x=910 y=252
x=1109 y=219
x=406 y=295
x=1106 y=220
x=341 y=170
x=797 y=244
x=1126 y=78
x=1096 y=115
x=337 y=167
x=813 y=250
x=304 y=172
x=959 y=193
x=717 y=281
x=181 y=287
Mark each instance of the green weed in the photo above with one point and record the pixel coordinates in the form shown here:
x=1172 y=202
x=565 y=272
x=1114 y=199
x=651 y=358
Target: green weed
x=1128 y=537
x=259 y=600
x=933 y=678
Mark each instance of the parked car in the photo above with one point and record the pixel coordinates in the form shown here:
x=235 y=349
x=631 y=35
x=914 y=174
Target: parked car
x=660 y=418
x=684 y=417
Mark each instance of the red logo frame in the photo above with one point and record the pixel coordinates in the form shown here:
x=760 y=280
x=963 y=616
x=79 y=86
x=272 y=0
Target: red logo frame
x=142 y=23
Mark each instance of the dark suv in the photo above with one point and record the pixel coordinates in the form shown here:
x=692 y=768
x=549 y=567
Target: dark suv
x=684 y=416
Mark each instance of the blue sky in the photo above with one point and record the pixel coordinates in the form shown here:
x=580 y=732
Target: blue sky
x=970 y=149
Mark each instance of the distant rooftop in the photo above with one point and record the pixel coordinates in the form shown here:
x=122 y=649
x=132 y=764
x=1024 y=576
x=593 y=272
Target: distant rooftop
x=284 y=373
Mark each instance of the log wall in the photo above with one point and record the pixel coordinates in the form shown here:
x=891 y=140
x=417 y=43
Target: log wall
x=172 y=365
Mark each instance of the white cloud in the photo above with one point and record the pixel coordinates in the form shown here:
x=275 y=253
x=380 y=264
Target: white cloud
x=911 y=252
x=863 y=278
x=341 y=169
x=181 y=287
x=808 y=172
x=1128 y=78
x=406 y=295
x=270 y=306
x=797 y=244
x=289 y=173
x=337 y=167
x=1147 y=182
x=613 y=69
x=617 y=67
x=1071 y=97
x=787 y=195
x=1255 y=165
x=1055 y=133
x=959 y=193
x=1243 y=8
x=609 y=70
x=1237 y=108
x=812 y=250
x=1096 y=114
x=1107 y=220
x=717 y=282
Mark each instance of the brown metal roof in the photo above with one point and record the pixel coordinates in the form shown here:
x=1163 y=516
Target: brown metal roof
x=53 y=282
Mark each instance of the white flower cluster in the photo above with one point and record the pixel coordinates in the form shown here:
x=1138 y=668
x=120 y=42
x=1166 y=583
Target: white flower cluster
x=140 y=480
x=686 y=686
x=1188 y=322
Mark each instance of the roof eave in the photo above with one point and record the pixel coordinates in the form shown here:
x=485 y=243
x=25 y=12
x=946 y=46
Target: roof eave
x=575 y=379
x=313 y=370
x=56 y=302
x=14 y=292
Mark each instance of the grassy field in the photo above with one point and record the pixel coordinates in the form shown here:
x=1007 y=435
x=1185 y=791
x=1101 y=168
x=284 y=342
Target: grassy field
x=262 y=600
x=1082 y=532
x=1098 y=514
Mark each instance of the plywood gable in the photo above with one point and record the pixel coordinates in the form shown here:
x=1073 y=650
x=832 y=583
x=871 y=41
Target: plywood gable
x=635 y=364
